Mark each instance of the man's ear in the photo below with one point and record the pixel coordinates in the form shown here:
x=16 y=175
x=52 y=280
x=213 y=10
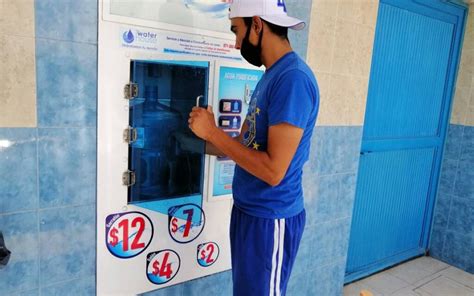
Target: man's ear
x=257 y=24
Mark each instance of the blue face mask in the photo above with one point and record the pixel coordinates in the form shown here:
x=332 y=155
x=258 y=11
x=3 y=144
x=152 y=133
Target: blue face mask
x=252 y=53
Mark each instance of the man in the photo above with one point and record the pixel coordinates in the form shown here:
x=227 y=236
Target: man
x=268 y=216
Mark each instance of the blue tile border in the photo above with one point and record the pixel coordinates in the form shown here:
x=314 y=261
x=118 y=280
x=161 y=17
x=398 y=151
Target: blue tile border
x=331 y=242
x=18 y=170
x=330 y=197
x=67 y=161
x=456 y=247
x=452 y=237
x=68 y=20
x=442 y=209
x=437 y=239
x=449 y=170
x=176 y=290
x=66 y=79
x=214 y=285
x=323 y=280
x=302 y=264
x=299 y=39
x=461 y=216
x=28 y=293
x=21 y=238
x=464 y=185
x=77 y=287
x=67 y=244
x=453 y=144
x=467 y=150
x=335 y=150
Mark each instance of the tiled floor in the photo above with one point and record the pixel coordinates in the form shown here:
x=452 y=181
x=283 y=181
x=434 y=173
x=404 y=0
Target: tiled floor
x=423 y=276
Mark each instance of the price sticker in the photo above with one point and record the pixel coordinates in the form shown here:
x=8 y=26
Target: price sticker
x=186 y=222
x=207 y=254
x=128 y=234
x=162 y=266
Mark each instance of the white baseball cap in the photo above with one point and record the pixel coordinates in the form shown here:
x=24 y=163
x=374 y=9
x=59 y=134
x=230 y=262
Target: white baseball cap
x=273 y=11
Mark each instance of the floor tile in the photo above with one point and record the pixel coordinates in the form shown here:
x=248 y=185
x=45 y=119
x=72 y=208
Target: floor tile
x=421 y=292
x=425 y=280
x=416 y=270
x=408 y=291
x=352 y=290
x=385 y=283
x=355 y=288
x=431 y=264
x=410 y=272
x=459 y=276
x=444 y=286
x=424 y=276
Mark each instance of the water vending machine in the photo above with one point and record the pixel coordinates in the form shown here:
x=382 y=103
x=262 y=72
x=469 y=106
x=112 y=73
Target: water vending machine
x=163 y=206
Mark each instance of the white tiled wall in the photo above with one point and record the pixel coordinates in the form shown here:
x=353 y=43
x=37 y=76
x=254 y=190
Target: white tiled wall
x=340 y=45
x=463 y=105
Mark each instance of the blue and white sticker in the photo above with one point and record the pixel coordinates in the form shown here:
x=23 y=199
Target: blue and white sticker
x=128 y=234
x=207 y=254
x=185 y=222
x=162 y=266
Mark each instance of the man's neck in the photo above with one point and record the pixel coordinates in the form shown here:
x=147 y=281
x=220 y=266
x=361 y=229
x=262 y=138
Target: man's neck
x=273 y=49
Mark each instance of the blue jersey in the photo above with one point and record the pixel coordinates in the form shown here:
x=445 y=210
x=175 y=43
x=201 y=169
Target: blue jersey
x=287 y=93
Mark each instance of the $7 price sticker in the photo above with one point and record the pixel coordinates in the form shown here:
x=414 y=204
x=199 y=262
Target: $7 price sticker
x=186 y=222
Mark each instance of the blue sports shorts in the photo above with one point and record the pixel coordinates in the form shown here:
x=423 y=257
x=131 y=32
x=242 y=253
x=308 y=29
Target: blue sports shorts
x=263 y=252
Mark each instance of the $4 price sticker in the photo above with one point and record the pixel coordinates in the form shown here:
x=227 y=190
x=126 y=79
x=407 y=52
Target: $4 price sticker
x=128 y=234
x=162 y=266
x=186 y=222
x=207 y=254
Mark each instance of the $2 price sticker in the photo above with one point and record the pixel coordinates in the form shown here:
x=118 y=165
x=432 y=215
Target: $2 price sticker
x=207 y=254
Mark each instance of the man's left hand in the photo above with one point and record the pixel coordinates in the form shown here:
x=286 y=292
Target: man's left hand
x=202 y=123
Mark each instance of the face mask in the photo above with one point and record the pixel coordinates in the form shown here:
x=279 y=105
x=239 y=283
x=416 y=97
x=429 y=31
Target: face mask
x=251 y=53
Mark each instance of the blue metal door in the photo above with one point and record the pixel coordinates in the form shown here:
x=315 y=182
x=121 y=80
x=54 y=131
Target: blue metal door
x=415 y=58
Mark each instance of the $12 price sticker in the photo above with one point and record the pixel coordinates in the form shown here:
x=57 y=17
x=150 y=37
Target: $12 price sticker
x=128 y=234
x=186 y=222
x=162 y=266
x=207 y=254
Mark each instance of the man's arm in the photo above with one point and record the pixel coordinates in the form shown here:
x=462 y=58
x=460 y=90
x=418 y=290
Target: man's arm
x=270 y=166
x=293 y=99
x=213 y=150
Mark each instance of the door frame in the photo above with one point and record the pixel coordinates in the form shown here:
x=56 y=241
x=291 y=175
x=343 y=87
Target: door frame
x=456 y=13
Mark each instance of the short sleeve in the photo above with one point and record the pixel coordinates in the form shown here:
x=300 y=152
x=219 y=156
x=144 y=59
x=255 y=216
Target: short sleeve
x=292 y=99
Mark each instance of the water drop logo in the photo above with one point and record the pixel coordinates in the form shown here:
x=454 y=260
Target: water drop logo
x=128 y=36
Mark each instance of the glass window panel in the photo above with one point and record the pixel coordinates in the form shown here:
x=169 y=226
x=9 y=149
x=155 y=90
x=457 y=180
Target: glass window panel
x=167 y=158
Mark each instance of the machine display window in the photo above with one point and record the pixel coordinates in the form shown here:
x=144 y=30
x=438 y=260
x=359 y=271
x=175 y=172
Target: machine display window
x=166 y=158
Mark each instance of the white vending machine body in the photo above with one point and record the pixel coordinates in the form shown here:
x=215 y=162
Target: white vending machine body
x=161 y=220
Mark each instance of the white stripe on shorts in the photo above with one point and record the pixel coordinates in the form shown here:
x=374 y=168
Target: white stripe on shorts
x=278 y=239
x=275 y=249
x=280 y=256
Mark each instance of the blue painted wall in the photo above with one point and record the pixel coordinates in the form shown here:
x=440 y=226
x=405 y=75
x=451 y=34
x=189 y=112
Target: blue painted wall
x=452 y=238
x=48 y=199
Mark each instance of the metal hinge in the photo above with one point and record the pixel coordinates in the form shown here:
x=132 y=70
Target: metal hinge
x=130 y=135
x=128 y=178
x=130 y=91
